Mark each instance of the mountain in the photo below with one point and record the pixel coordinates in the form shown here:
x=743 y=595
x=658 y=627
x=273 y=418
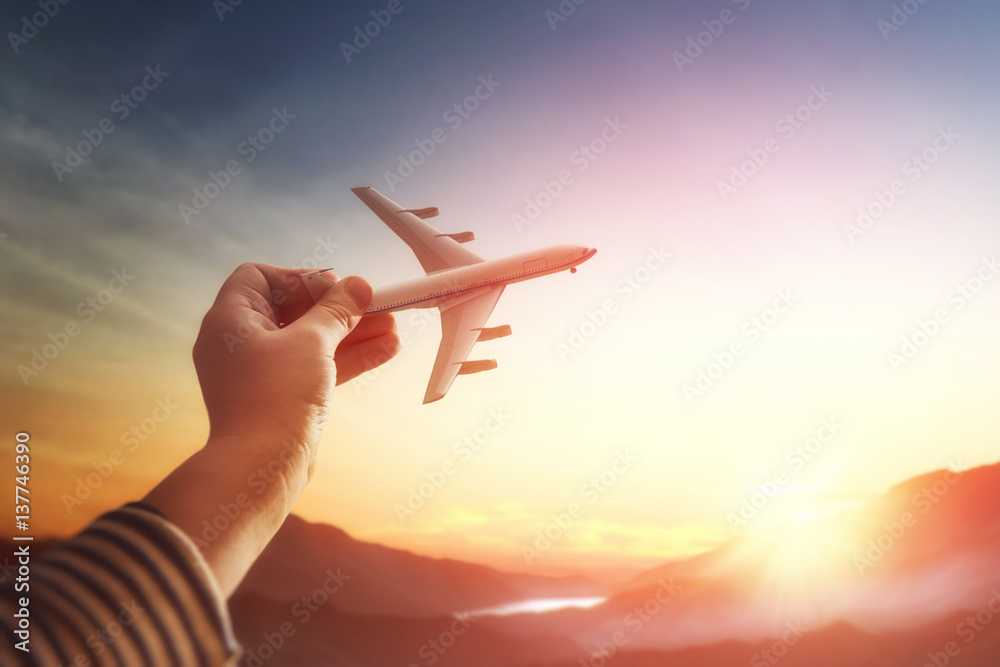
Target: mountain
x=889 y=583
x=382 y=581
x=273 y=635
x=954 y=514
x=836 y=645
x=926 y=548
x=332 y=638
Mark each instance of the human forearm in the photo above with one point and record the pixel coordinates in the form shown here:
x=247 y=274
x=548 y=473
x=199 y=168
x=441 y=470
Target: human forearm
x=231 y=498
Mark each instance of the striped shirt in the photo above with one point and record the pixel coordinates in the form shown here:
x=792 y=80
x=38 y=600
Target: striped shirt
x=131 y=589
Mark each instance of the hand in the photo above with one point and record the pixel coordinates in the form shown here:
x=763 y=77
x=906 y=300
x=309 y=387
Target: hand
x=268 y=356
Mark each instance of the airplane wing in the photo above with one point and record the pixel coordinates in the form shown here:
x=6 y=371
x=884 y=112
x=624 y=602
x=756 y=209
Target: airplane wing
x=436 y=251
x=460 y=329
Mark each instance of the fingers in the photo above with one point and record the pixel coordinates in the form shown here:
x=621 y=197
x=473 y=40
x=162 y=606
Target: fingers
x=372 y=326
x=278 y=295
x=287 y=293
x=354 y=359
x=340 y=307
x=265 y=297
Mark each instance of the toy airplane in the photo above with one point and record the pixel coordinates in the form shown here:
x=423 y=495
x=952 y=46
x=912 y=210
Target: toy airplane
x=463 y=285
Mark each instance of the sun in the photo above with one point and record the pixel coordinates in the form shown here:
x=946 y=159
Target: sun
x=799 y=560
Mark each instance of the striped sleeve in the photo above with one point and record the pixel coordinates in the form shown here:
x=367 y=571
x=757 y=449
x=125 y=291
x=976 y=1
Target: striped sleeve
x=131 y=589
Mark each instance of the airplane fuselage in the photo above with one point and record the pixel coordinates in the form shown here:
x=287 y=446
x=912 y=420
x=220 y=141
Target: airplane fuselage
x=452 y=286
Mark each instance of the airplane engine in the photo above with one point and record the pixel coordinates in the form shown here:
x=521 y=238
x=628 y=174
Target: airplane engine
x=489 y=333
x=461 y=237
x=423 y=213
x=470 y=367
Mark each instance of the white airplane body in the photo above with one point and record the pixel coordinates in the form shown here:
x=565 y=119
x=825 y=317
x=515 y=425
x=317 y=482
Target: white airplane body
x=444 y=287
x=463 y=285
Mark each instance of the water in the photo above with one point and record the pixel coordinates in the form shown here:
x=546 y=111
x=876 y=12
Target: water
x=540 y=606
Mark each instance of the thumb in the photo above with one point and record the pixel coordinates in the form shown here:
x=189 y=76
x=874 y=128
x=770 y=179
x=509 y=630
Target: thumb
x=339 y=308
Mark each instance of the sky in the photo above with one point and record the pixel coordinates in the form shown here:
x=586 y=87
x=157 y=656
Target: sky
x=794 y=206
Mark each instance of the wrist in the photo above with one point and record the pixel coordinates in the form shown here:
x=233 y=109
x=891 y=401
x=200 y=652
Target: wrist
x=263 y=460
